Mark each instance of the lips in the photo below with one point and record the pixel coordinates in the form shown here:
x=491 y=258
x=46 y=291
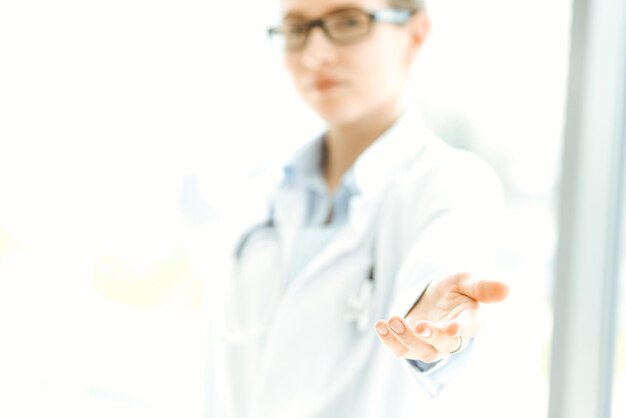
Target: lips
x=324 y=84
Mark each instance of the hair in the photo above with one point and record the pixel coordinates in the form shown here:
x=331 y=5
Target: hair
x=412 y=5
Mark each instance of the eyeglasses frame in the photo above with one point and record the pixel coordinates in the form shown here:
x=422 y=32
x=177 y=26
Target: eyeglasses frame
x=390 y=15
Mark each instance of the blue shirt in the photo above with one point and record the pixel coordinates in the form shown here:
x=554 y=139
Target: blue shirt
x=326 y=212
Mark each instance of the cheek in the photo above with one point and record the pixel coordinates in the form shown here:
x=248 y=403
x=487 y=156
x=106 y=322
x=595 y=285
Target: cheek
x=293 y=69
x=379 y=73
x=290 y=65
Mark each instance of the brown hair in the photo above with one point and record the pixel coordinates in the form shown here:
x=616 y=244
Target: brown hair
x=413 y=5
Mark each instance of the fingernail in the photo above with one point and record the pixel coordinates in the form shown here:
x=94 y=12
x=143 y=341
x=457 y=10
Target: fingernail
x=397 y=326
x=426 y=333
x=382 y=330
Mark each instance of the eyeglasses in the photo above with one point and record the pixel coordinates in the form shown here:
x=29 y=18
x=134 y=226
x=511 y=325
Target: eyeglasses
x=341 y=27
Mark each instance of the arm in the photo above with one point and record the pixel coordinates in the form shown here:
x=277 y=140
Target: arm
x=434 y=317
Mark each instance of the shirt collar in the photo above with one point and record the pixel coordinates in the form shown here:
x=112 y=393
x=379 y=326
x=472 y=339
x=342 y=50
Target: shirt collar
x=304 y=169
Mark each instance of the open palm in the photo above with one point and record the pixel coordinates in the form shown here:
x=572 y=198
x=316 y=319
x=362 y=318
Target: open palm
x=443 y=319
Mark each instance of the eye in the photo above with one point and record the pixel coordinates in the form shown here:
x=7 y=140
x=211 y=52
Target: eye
x=294 y=29
x=348 y=22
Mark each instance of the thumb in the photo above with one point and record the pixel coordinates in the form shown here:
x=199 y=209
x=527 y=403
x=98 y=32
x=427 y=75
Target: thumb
x=488 y=291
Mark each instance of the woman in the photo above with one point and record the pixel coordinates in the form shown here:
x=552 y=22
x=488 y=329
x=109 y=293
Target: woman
x=349 y=297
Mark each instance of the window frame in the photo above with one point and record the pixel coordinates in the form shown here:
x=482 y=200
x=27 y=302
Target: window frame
x=592 y=195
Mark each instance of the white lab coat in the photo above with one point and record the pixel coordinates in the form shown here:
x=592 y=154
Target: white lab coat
x=425 y=210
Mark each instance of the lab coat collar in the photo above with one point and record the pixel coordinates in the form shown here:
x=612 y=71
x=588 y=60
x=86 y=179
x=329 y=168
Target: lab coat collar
x=390 y=153
x=374 y=168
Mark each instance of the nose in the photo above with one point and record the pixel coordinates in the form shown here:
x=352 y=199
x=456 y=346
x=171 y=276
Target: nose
x=319 y=51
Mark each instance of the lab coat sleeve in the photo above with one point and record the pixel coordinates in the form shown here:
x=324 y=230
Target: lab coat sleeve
x=457 y=217
x=434 y=378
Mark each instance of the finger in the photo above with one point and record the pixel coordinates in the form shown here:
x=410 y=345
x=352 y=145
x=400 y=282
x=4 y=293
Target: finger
x=487 y=291
x=466 y=323
x=417 y=348
x=389 y=339
x=436 y=336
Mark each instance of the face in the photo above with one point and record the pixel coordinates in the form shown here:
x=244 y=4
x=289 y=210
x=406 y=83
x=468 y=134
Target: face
x=344 y=83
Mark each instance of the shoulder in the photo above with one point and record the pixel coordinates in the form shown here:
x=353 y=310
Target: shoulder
x=444 y=178
x=247 y=198
x=257 y=190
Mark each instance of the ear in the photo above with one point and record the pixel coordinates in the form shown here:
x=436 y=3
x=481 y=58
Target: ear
x=419 y=28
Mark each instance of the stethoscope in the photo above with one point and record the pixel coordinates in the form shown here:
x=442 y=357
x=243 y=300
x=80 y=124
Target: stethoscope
x=358 y=305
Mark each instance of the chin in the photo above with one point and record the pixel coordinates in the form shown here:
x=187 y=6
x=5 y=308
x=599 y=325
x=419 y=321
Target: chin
x=336 y=114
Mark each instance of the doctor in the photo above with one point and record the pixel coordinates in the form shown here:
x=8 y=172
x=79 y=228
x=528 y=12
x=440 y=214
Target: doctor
x=350 y=295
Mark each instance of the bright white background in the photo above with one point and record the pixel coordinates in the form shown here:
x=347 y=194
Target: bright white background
x=123 y=124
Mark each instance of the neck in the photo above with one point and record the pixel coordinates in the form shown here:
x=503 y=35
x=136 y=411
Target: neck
x=345 y=142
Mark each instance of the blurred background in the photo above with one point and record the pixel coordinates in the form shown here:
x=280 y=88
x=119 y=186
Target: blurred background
x=123 y=126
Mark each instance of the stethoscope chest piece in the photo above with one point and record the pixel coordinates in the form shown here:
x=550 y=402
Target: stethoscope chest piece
x=359 y=305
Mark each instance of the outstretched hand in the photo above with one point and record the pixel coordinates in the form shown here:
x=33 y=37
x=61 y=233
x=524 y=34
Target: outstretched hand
x=443 y=320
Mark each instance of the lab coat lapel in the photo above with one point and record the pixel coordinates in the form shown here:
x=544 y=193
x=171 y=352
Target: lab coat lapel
x=373 y=170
